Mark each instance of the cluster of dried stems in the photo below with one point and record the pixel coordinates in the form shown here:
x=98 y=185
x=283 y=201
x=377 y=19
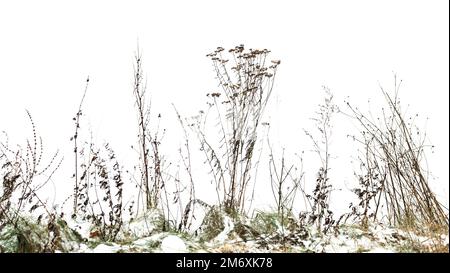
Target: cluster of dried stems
x=394 y=182
x=74 y=138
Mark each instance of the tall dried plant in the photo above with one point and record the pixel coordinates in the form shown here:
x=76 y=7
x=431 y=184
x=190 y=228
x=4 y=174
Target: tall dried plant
x=246 y=79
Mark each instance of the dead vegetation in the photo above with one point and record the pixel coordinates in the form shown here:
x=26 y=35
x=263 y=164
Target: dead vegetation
x=392 y=180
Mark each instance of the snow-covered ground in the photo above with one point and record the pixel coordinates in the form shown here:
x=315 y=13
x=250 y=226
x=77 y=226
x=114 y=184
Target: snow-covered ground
x=350 y=240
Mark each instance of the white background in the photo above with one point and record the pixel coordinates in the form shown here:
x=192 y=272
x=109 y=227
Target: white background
x=48 y=48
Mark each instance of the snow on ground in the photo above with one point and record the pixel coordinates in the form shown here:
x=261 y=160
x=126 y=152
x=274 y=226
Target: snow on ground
x=144 y=234
x=81 y=227
x=103 y=248
x=350 y=239
x=145 y=223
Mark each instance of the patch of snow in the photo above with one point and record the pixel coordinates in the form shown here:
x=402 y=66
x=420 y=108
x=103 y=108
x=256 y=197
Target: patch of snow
x=307 y=244
x=376 y=239
x=380 y=250
x=173 y=244
x=70 y=246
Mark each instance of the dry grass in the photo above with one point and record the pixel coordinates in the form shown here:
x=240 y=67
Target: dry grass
x=394 y=180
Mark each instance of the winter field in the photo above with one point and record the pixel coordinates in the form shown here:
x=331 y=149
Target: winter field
x=219 y=148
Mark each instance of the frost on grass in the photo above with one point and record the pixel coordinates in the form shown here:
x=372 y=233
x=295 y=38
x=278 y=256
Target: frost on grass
x=396 y=210
x=173 y=244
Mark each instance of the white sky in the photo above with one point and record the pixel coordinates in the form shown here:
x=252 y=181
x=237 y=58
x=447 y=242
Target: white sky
x=48 y=48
